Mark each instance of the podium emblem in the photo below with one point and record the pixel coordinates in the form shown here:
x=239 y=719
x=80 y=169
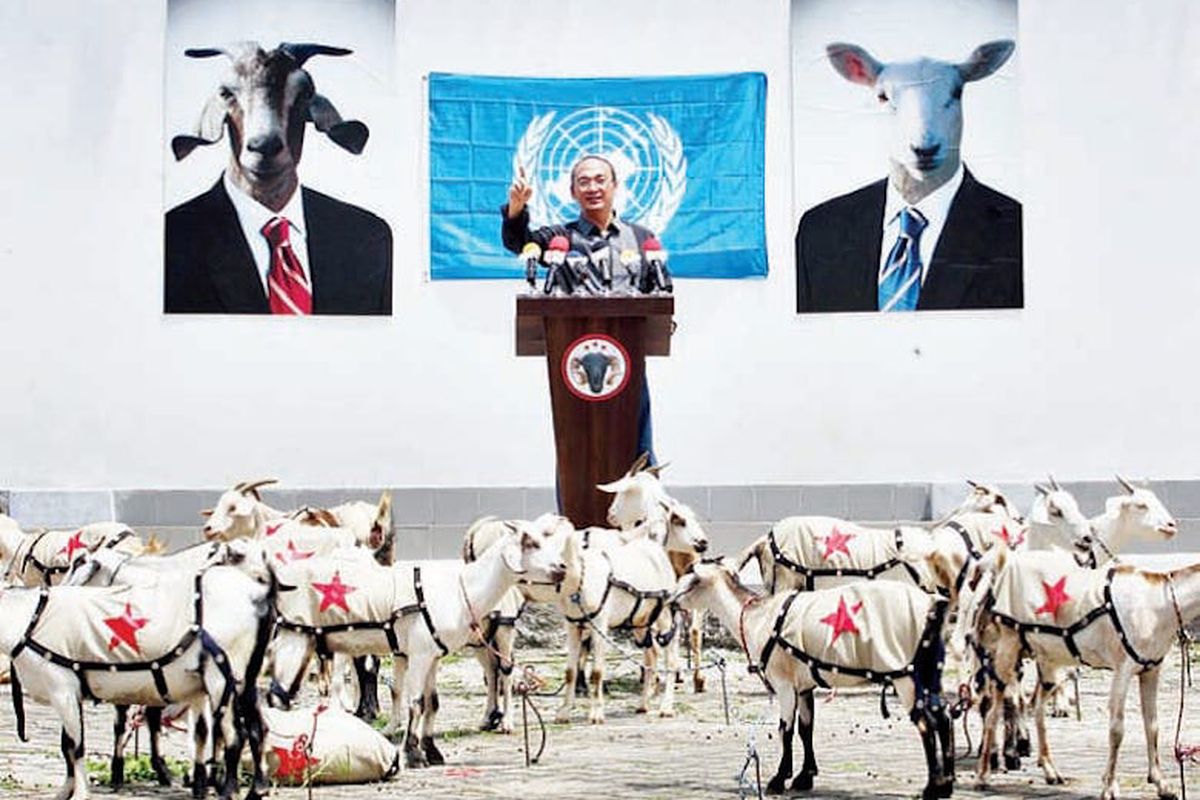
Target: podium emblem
x=646 y=151
x=595 y=367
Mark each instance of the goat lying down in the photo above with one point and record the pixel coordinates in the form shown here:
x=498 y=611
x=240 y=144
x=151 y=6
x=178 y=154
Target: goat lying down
x=346 y=603
x=1119 y=618
x=150 y=645
x=882 y=632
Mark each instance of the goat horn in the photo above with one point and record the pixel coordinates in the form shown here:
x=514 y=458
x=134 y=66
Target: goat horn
x=253 y=486
x=205 y=52
x=639 y=463
x=972 y=484
x=657 y=469
x=1042 y=490
x=1054 y=484
x=1126 y=485
x=301 y=52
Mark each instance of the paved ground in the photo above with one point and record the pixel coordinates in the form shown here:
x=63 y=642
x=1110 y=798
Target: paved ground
x=694 y=755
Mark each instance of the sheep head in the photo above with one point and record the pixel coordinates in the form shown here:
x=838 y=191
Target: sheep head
x=924 y=98
x=265 y=100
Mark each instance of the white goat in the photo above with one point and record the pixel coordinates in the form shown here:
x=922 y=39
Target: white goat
x=638 y=497
x=495 y=651
x=797 y=641
x=162 y=646
x=44 y=558
x=414 y=612
x=1121 y=618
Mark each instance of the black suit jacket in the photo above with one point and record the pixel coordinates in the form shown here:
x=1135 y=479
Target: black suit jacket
x=976 y=264
x=209 y=268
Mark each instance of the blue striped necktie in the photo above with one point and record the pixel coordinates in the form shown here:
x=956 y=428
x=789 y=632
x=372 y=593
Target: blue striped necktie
x=900 y=282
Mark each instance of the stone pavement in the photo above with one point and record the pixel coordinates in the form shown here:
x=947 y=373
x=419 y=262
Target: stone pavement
x=693 y=755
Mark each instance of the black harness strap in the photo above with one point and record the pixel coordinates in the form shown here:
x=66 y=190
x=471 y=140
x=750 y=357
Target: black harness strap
x=812 y=573
x=1068 y=633
x=929 y=638
x=81 y=669
x=425 y=610
x=972 y=554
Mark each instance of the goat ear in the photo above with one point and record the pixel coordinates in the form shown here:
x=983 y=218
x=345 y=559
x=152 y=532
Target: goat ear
x=303 y=51
x=617 y=486
x=209 y=129
x=986 y=59
x=853 y=63
x=351 y=135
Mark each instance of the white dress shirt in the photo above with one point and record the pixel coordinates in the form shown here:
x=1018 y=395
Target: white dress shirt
x=934 y=208
x=253 y=216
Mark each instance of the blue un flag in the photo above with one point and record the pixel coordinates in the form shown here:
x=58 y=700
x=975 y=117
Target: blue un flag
x=688 y=153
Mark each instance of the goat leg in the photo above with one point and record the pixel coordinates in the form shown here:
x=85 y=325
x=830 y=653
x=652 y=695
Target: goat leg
x=1148 y=686
x=787 y=724
x=117 y=766
x=806 y=714
x=366 y=671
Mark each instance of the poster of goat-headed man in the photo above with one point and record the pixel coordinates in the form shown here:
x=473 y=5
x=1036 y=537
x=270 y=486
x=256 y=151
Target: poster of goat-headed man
x=268 y=186
x=905 y=153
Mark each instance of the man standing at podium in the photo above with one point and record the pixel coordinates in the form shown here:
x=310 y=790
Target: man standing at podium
x=594 y=187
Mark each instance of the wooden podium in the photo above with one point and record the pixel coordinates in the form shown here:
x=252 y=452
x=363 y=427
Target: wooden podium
x=595 y=350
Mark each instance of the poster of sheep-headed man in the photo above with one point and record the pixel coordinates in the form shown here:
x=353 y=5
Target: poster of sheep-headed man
x=277 y=146
x=905 y=135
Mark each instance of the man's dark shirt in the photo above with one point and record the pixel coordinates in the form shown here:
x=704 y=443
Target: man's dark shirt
x=581 y=233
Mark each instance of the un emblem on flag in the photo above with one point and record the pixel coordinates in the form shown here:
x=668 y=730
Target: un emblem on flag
x=646 y=152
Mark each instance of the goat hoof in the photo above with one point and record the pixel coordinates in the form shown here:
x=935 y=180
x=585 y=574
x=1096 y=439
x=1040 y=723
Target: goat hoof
x=563 y=717
x=415 y=759
x=777 y=785
x=667 y=713
x=432 y=755
x=161 y=772
x=698 y=684
x=1059 y=713
x=1166 y=794
x=642 y=709
x=1012 y=763
x=492 y=721
x=803 y=782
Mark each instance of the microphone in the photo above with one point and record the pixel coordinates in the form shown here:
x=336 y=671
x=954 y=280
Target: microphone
x=631 y=261
x=531 y=254
x=601 y=257
x=577 y=264
x=656 y=259
x=555 y=257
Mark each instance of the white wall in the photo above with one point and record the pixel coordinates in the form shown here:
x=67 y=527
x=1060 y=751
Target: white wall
x=101 y=390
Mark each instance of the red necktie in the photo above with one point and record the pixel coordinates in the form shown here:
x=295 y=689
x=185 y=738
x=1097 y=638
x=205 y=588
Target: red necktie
x=288 y=289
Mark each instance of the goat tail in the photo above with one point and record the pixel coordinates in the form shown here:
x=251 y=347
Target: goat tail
x=18 y=698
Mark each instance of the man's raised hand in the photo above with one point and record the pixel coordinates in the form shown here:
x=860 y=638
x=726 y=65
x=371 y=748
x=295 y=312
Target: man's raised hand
x=519 y=193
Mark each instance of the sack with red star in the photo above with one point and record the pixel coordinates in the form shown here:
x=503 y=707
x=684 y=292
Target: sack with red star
x=326 y=745
x=1047 y=588
x=342 y=588
x=871 y=625
x=115 y=625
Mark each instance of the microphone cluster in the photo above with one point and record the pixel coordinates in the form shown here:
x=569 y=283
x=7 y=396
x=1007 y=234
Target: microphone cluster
x=570 y=272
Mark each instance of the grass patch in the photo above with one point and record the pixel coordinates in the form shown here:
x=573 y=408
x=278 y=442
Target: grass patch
x=137 y=769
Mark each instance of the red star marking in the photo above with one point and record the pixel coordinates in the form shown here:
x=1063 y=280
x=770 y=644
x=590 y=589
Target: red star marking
x=273 y=529
x=842 y=620
x=334 y=593
x=73 y=544
x=1009 y=539
x=125 y=629
x=835 y=542
x=1056 y=595
x=292 y=554
x=294 y=762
